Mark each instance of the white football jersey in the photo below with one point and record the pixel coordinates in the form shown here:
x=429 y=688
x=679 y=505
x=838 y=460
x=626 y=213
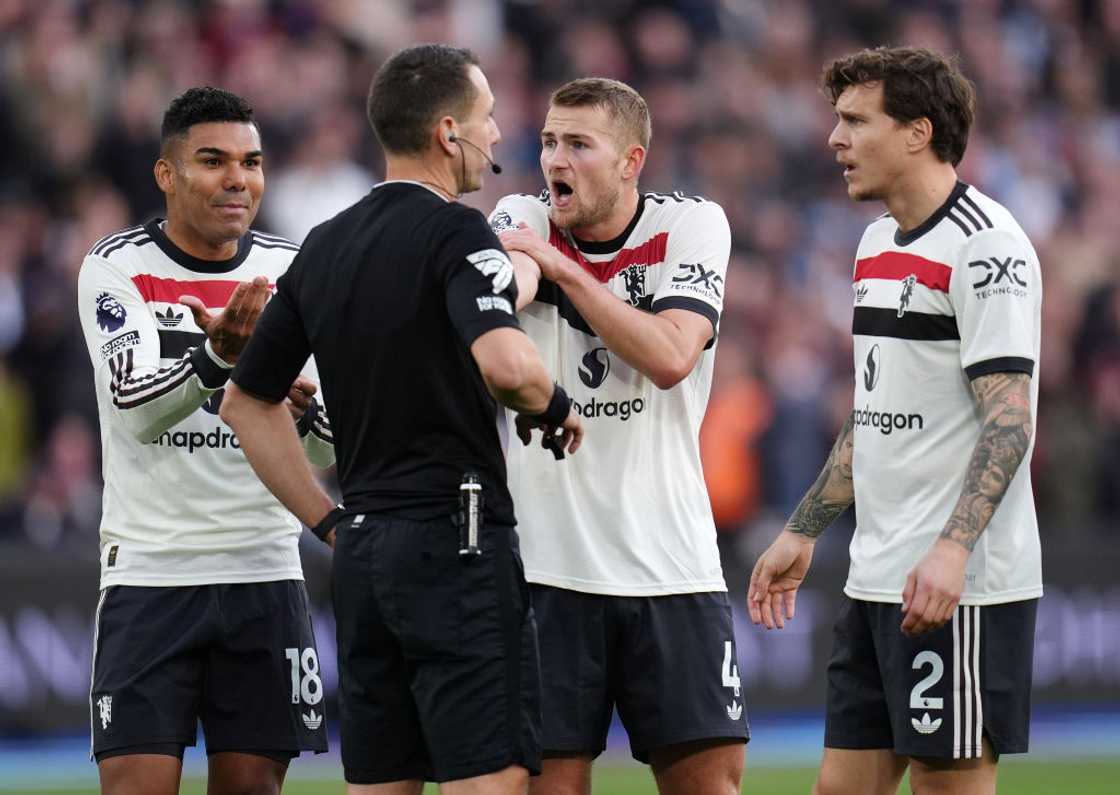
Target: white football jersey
x=181 y=504
x=628 y=515
x=956 y=298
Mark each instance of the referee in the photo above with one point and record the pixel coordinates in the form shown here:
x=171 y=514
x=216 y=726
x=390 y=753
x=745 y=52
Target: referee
x=407 y=301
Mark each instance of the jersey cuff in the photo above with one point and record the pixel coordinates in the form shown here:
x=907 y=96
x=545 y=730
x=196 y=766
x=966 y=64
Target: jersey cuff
x=218 y=360
x=1004 y=364
x=692 y=305
x=209 y=372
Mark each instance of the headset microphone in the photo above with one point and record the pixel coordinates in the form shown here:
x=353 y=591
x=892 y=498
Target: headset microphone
x=455 y=139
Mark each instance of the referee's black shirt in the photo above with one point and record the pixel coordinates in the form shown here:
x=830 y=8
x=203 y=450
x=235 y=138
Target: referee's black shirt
x=389 y=295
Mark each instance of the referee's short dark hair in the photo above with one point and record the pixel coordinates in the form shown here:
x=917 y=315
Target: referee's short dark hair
x=916 y=82
x=414 y=88
x=200 y=105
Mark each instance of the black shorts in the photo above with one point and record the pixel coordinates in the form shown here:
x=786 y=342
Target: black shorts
x=239 y=657
x=437 y=653
x=935 y=695
x=667 y=663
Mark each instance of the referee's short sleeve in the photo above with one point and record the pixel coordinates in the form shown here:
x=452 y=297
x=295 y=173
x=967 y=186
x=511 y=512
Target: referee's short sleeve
x=480 y=288
x=278 y=348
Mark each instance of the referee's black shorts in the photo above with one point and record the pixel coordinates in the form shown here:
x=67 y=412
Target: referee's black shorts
x=437 y=653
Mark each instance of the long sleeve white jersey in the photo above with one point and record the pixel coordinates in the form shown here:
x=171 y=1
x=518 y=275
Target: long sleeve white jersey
x=181 y=504
x=628 y=515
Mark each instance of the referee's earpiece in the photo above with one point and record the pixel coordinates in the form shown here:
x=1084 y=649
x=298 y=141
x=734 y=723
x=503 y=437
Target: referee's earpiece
x=454 y=139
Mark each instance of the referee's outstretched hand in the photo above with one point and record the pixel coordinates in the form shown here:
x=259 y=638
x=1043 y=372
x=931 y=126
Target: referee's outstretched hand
x=229 y=330
x=568 y=436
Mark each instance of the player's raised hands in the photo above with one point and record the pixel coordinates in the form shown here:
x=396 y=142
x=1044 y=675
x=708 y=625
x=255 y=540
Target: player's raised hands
x=933 y=587
x=229 y=330
x=778 y=573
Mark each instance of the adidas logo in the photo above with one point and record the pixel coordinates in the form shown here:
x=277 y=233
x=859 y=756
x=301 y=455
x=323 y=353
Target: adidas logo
x=313 y=720
x=861 y=293
x=925 y=725
x=735 y=711
x=169 y=320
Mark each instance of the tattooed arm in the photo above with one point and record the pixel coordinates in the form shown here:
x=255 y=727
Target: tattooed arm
x=832 y=492
x=781 y=569
x=934 y=586
x=1005 y=402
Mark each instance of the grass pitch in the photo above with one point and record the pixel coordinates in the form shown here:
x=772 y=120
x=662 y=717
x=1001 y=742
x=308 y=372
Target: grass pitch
x=1016 y=777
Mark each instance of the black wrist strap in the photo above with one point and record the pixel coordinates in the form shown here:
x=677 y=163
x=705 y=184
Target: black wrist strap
x=558 y=407
x=327 y=523
x=303 y=424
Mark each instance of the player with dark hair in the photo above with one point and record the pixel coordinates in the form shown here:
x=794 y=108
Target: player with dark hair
x=203 y=614
x=407 y=301
x=623 y=290
x=931 y=660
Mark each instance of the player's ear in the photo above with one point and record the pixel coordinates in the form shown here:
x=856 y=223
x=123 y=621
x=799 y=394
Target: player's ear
x=165 y=175
x=919 y=134
x=634 y=158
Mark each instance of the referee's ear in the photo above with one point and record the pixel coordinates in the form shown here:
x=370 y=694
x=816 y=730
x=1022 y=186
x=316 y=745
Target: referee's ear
x=446 y=135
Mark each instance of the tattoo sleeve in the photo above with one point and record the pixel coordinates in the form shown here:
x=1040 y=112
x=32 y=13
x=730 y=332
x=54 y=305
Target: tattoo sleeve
x=1005 y=402
x=832 y=492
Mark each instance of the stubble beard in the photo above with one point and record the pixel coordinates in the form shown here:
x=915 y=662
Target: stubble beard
x=596 y=213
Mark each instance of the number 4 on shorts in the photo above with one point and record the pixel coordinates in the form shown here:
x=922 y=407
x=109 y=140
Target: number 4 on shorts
x=730 y=668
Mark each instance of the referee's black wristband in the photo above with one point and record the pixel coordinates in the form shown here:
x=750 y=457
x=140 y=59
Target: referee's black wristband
x=558 y=407
x=327 y=523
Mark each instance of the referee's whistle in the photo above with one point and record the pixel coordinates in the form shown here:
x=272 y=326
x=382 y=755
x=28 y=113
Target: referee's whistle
x=470 y=507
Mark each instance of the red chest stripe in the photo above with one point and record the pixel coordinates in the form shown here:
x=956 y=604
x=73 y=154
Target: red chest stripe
x=652 y=252
x=898 y=265
x=214 y=293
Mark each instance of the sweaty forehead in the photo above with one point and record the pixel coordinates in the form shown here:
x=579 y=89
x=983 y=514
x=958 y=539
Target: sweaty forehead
x=234 y=137
x=588 y=120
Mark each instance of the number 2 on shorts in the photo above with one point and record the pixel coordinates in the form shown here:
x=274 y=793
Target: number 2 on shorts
x=918 y=699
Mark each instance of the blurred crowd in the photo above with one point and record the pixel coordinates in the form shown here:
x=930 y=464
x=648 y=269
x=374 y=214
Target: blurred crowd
x=738 y=117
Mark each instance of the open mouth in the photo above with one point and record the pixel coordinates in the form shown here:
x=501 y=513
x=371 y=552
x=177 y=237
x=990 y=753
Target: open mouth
x=561 y=193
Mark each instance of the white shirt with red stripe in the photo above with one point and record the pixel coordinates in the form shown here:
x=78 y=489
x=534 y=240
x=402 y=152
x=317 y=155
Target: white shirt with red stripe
x=181 y=504
x=628 y=515
x=957 y=298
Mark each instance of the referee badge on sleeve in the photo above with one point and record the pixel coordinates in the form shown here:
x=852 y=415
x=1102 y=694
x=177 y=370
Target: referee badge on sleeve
x=494 y=264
